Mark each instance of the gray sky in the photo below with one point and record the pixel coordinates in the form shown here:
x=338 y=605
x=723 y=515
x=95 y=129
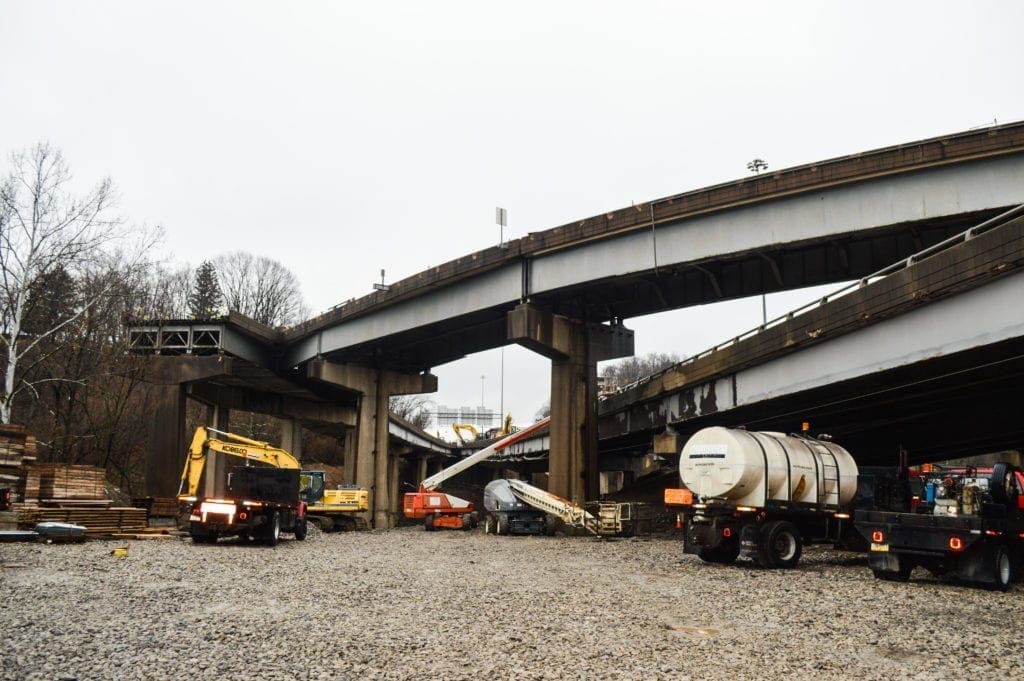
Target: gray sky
x=344 y=137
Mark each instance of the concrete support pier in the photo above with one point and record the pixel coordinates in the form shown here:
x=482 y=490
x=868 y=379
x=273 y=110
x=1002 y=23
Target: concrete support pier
x=575 y=348
x=367 y=464
x=165 y=456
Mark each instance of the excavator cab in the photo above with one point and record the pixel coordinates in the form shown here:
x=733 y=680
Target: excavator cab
x=311 y=484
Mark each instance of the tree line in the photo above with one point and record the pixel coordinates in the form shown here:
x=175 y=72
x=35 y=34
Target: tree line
x=72 y=269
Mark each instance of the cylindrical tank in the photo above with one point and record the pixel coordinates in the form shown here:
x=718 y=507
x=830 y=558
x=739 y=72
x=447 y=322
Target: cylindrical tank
x=730 y=464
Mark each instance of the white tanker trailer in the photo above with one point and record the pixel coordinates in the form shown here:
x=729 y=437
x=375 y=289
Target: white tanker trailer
x=763 y=494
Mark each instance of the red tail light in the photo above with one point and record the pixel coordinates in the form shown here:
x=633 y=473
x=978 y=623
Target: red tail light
x=878 y=537
x=243 y=515
x=956 y=543
x=727 y=532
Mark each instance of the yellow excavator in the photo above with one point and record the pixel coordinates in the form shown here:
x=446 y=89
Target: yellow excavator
x=237 y=486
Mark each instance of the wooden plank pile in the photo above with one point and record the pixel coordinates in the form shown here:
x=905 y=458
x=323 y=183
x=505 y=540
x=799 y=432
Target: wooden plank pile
x=49 y=492
x=58 y=482
x=98 y=522
x=16 y=446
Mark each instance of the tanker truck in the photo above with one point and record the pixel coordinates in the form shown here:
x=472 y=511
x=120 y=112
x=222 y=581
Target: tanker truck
x=762 y=494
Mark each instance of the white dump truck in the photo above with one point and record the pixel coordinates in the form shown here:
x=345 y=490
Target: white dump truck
x=762 y=494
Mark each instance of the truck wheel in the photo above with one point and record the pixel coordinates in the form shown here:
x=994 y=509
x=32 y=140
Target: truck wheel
x=550 y=525
x=501 y=527
x=467 y=522
x=488 y=525
x=273 y=531
x=428 y=523
x=1002 y=567
x=780 y=545
x=301 y=528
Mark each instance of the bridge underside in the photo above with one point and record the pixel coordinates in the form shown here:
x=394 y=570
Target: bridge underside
x=942 y=408
x=782 y=267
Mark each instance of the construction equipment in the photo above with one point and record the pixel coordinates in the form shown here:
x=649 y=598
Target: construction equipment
x=516 y=507
x=761 y=494
x=438 y=509
x=968 y=522
x=334 y=509
x=251 y=489
x=469 y=428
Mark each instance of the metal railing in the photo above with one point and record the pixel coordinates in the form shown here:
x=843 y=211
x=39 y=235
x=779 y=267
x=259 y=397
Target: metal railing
x=897 y=266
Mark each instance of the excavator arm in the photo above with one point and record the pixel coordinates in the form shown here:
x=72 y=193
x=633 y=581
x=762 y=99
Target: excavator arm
x=230 y=445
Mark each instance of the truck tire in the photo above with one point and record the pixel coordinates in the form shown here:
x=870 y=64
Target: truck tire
x=1001 y=565
x=428 y=523
x=725 y=555
x=780 y=545
x=902 y=573
x=273 y=530
x=501 y=526
x=467 y=522
x=301 y=528
x=1001 y=484
x=488 y=524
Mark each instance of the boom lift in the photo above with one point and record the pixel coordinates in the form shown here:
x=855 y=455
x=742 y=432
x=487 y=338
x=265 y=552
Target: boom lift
x=506 y=516
x=438 y=509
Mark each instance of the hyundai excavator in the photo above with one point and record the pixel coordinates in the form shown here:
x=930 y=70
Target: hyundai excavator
x=437 y=509
x=253 y=490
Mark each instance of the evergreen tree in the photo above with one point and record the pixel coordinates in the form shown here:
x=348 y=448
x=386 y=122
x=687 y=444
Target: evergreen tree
x=205 y=298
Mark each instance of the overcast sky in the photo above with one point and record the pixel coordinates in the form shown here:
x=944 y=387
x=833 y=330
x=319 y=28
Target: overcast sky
x=340 y=138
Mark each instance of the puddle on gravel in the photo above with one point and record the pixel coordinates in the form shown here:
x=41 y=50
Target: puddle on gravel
x=693 y=631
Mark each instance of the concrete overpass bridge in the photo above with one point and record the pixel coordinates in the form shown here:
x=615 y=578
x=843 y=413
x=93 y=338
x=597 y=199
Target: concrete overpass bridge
x=565 y=292
x=927 y=355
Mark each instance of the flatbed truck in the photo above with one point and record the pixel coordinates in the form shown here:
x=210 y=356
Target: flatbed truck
x=968 y=522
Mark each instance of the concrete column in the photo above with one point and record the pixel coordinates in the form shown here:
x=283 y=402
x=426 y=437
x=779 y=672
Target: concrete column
x=166 y=454
x=421 y=469
x=351 y=445
x=291 y=437
x=371 y=466
x=575 y=348
x=218 y=418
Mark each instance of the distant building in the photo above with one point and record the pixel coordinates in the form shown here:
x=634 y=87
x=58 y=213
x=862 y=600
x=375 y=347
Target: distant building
x=481 y=417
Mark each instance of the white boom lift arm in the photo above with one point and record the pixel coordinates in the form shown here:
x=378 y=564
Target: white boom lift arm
x=435 y=480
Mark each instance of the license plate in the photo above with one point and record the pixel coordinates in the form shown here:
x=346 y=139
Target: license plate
x=884 y=548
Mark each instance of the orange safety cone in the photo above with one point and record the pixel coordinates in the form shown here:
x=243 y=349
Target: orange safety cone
x=679 y=522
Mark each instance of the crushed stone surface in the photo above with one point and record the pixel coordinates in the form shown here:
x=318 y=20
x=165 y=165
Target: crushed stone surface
x=410 y=604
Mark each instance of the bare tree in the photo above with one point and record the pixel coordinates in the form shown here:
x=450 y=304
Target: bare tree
x=46 y=232
x=260 y=288
x=631 y=369
x=412 y=408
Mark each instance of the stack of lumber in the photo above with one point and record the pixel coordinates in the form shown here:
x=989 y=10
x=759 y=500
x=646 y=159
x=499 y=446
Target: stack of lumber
x=17 y=451
x=98 y=522
x=159 y=507
x=61 y=482
x=16 y=446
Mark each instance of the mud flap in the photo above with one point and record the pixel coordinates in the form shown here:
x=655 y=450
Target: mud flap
x=975 y=568
x=884 y=562
x=750 y=541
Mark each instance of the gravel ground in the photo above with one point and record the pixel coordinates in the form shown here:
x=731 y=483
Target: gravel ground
x=405 y=604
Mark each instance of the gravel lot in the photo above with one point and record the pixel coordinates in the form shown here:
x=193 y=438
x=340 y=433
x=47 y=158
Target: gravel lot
x=405 y=604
